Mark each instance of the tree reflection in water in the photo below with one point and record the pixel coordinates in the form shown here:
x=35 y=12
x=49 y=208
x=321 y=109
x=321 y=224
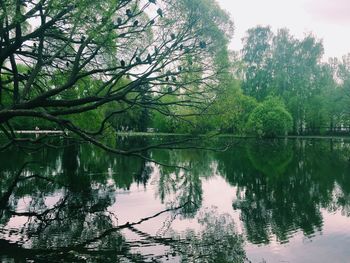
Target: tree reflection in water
x=217 y=242
x=58 y=205
x=183 y=186
x=282 y=185
x=64 y=207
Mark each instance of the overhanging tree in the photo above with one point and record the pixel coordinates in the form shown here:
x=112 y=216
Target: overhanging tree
x=62 y=59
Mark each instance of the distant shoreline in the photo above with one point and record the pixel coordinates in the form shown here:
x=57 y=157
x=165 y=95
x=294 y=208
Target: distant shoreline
x=328 y=137
x=37 y=132
x=233 y=136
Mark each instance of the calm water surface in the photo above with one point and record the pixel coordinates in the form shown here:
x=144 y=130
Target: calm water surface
x=259 y=201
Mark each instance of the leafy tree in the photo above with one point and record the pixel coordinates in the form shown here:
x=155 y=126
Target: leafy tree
x=256 y=55
x=340 y=95
x=82 y=56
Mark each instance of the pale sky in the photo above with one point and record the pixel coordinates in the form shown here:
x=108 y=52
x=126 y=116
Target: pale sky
x=327 y=19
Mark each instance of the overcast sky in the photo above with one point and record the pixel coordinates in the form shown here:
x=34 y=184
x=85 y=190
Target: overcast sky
x=327 y=19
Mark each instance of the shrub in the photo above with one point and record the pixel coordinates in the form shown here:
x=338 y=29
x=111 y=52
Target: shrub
x=270 y=119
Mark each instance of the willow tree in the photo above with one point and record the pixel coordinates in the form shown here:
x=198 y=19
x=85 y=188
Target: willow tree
x=63 y=59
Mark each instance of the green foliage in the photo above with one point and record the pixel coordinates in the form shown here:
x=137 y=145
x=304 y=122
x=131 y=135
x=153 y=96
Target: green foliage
x=161 y=123
x=270 y=119
x=231 y=110
x=92 y=67
x=256 y=57
x=216 y=25
x=281 y=65
x=133 y=118
x=192 y=121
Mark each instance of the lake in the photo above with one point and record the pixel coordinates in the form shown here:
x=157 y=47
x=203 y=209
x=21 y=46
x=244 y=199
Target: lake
x=285 y=200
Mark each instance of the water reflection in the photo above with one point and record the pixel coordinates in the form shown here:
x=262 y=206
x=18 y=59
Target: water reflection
x=217 y=242
x=286 y=185
x=66 y=201
x=183 y=185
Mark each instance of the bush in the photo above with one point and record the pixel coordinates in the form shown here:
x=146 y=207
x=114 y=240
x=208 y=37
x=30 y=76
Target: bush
x=270 y=119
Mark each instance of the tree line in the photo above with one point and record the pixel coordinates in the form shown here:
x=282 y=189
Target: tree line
x=278 y=85
x=315 y=93
x=93 y=68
